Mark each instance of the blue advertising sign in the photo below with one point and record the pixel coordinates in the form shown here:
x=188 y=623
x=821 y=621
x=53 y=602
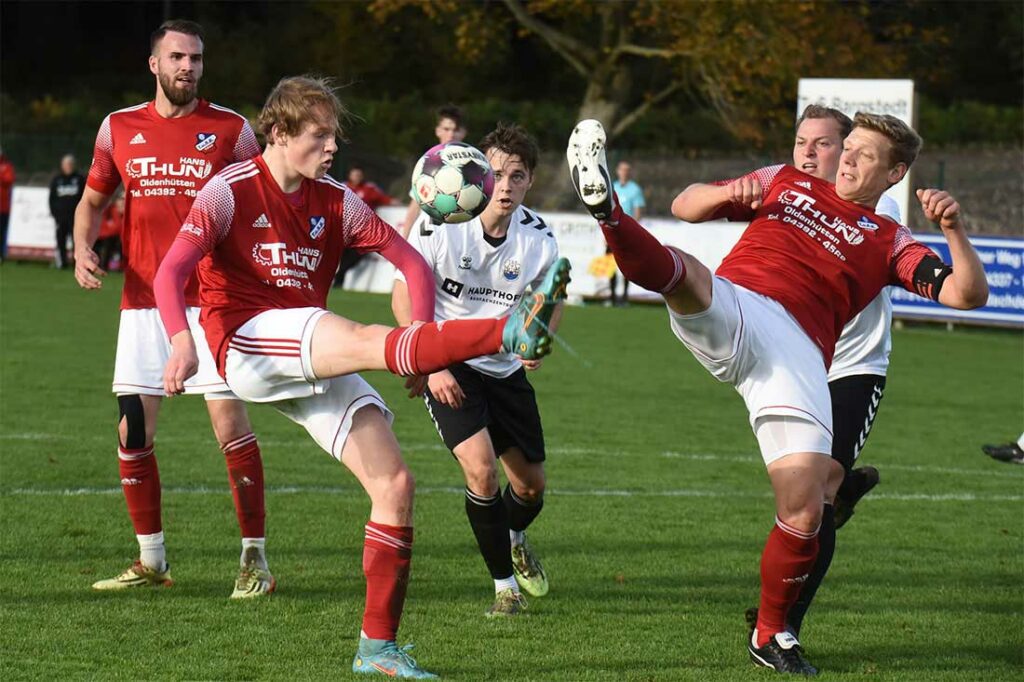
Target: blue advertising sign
x=1003 y=258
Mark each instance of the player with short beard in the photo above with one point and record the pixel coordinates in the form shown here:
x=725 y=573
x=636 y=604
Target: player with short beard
x=164 y=152
x=813 y=255
x=485 y=409
x=269 y=233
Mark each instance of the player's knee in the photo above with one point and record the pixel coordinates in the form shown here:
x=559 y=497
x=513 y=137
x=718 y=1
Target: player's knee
x=229 y=419
x=481 y=478
x=397 y=489
x=803 y=515
x=131 y=426
x=532 y=489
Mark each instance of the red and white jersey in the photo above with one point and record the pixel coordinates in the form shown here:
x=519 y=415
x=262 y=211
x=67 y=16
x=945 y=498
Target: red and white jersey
x=163 y=163
x=824 y=259
x=270 y=250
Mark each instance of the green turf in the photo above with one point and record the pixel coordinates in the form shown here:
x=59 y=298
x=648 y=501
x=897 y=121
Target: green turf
x=927 y=583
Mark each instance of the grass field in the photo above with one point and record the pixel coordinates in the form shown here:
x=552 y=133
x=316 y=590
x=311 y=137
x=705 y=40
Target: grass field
x=656 y=513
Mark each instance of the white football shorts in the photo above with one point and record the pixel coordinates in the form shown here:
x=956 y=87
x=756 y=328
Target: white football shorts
x=143 y=350
x=269 y=361
x=752 y=343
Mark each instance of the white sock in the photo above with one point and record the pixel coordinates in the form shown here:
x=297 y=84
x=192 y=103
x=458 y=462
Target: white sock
x=516 y=536
x=151 y=551
x=1020 y=442
x=508 y=583
x=260 y=545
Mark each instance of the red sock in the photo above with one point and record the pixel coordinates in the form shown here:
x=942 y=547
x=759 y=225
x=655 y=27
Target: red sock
x=788 y=557
x=429 y=348
x=640 y=257
x=387 y=552
x=245 y=474
x=140 y=481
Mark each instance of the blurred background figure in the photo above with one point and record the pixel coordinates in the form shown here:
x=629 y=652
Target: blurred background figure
x=631 y=199
x=374 y=197
x=108 y=243
x=6 y=188
x=65 y=192
x=1007 y=452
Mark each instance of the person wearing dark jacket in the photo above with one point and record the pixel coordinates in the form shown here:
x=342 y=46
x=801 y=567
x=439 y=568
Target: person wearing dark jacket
x=65 y=192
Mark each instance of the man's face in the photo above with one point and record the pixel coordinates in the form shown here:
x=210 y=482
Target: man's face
x=67 y=165
x=448 y=130
x=817 y=148
x=177 y=63
x=624 y=171
x=864 y=170
x=356 y=177
x=311 y=152
x=512 y=180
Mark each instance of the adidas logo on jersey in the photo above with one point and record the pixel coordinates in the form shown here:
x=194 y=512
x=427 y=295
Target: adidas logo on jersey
x=261 y=221
x=138 y=139
x=804 y=184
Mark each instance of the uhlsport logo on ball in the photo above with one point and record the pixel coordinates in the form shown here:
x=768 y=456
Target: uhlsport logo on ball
x=453 y=182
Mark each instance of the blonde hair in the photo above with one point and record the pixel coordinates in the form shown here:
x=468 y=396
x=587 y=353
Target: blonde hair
x=295 y=101
x=905 y=143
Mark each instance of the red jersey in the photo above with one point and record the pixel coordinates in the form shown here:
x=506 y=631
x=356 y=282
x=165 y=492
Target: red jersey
x=371 y=194
x=268 y=250
x=821 y=257
x=163 y=163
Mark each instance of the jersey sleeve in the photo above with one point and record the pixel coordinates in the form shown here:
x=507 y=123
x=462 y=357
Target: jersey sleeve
x=209 y=219
x=246 y=146
x=364 y=230
x=766 y=176
x=915 y=267
x=103 y=176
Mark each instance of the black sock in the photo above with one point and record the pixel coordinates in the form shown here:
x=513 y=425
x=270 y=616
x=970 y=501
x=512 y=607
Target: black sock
x=520 y=513
x=826 y=548
x=489 y=521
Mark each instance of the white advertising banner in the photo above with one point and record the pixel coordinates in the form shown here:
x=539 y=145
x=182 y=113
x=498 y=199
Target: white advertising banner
x=877 y=96
x=32 y=232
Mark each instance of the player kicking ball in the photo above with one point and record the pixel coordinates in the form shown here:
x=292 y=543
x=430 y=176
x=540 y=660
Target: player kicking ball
x=813 y=255
x=485 y=408
x=270 y=232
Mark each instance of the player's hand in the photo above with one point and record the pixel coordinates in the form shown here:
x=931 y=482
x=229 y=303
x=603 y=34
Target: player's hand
x=940 y=207
x=416 y=384
x=183 y=363
x=87 y=268
x=446 y=389
x=531 y=365
x=745 y=191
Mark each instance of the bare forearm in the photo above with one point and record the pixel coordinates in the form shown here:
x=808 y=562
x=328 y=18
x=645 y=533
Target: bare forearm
x=966 y=287
x=87 y=224
x=698 y=202
x=410 y=217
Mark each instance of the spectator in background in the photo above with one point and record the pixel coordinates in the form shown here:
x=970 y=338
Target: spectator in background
x=65 y=192
x=6 y=187
x=374 y=197
x=108 y=244
x=631 y=199
x=451 y=127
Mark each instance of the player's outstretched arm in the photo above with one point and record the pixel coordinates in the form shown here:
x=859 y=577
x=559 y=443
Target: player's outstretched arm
x=966 y=287
x=88 y=214
x=700 y=202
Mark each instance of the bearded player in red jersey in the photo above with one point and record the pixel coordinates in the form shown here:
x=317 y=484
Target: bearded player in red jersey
x=813 y=255
x=270 y=232
x=163 y=152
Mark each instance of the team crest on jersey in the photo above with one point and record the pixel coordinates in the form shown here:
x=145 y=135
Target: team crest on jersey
x=206 y=142
x=317 y=225
x=466 y=263
x=510 y=270
x=866 y=223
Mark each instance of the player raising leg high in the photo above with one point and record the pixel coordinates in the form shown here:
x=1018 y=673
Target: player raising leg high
x=813 y=255
x=270 y=232
x=164 y=152
x=485 y=408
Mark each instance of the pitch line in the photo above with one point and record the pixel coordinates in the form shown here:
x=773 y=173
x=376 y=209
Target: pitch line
x=751 y=459
x=448 y=490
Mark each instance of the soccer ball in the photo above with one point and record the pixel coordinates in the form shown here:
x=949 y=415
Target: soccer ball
x=453 y=182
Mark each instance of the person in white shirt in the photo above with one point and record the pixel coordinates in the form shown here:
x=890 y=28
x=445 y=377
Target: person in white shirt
x=485 y=409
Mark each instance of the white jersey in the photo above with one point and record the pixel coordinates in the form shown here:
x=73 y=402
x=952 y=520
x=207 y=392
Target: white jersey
x=866 y=341
x=477 y=280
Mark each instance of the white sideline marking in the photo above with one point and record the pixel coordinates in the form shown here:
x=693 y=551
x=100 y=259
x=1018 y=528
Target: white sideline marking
x=445 y=490
x=753 y=458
